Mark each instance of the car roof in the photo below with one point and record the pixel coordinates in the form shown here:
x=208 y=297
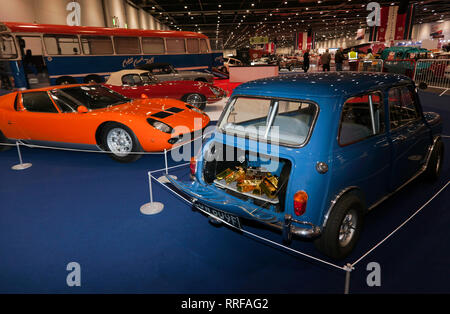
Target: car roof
x=318 y=85
x=116 y=77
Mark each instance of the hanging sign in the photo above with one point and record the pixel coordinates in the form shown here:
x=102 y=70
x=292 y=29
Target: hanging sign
x=259 y=40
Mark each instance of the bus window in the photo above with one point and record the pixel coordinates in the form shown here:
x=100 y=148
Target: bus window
x=192 y=45
x=203 y=46
x=127 y=45
x=97 y=45
x=175 y=45
x=152 y=45
x=62 y=45
x=7 y=47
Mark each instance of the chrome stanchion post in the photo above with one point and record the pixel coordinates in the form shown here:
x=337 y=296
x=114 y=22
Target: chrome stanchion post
x=151 y=208
x=348 y=269
x=163 y=178
x=21 y=165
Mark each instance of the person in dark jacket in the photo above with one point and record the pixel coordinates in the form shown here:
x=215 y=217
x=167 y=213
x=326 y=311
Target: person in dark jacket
x=339 y=59
x=325 y=59
x=306 y=61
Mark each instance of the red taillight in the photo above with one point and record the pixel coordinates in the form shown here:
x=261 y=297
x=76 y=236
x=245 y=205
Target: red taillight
x=300 y=200
x=193 y=166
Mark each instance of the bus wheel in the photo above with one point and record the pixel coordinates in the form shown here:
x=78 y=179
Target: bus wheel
x=64 y=80
x=93 y=79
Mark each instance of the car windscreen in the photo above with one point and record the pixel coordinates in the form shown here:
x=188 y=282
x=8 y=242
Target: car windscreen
x=92 y=96
x=147 y=78
x=287 y=122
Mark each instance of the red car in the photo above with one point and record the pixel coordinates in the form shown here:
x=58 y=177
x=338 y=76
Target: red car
x=134 y=83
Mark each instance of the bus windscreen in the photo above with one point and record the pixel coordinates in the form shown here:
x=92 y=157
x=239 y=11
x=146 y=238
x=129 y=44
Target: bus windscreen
x=7 y=47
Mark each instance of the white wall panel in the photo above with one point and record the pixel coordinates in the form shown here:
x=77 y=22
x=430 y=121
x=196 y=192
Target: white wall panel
x=92 y=13
x=115 y=8
x=132 y=16
x=17 y=11
x=143 y=20
x=51 y=11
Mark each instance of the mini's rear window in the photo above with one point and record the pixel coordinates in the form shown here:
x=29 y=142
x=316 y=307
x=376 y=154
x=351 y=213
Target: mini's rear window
x=281 y=121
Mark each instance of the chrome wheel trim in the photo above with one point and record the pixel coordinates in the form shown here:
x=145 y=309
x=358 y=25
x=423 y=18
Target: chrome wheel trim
x=119 y=142
x=194 y=100
x=348 y=228
x=438 y=163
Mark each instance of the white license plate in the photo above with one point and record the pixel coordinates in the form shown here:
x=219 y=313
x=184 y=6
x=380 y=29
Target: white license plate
x=227 y=217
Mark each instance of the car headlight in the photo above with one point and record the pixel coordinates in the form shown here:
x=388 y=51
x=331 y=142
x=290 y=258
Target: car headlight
x=194 y=109
x=215 y=91
x=160 y=125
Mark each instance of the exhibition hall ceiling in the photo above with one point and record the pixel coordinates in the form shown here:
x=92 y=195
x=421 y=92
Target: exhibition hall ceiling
x=234 y=21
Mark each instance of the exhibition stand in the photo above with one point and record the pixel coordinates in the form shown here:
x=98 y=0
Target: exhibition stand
x=157 y=204
x=347 y=268
x=244 y=74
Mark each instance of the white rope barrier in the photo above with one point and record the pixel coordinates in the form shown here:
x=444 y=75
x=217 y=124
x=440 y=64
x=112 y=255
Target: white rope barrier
x=398 y=228
x=253 y=234
x=103 y=151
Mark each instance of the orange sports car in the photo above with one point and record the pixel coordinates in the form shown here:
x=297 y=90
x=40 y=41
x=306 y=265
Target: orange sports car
x=95 y=117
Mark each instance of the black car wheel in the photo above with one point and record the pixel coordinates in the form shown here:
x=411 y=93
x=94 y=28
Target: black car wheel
x=121 y=142
x=343 y=227
x=196 y=100
x=434 y=166
x=93 y=79
x=65 y=80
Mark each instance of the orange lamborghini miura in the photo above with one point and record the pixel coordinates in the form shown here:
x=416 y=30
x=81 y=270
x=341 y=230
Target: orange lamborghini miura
x=95 y=117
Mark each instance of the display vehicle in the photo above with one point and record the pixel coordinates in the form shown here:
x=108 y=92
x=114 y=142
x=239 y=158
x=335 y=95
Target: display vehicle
x=38 y=55
x=311 y=154
x=167 y=72
x=97 y=118
x=290 y=63
x=134 y=83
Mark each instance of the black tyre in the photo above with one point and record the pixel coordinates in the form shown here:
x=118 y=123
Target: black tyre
x=93 y=79
x=434 y=166
x=3 y=140
x=196 y=100
x=343 y=227
x=65 y=80
x=121 y=142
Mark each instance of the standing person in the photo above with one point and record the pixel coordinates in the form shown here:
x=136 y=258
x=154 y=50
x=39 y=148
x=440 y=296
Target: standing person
x=339 y=59
x=306 y=61
x=368 y=60
x=325 y=59
x=353 y=60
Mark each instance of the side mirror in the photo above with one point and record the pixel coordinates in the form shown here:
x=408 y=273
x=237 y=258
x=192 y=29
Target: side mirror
x=423 y=85
x=82 y=109
x=144 y=96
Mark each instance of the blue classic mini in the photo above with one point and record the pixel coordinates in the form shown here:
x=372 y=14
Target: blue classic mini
x=310 y=154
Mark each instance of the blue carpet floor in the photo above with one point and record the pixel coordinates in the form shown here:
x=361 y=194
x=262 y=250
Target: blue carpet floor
x=84 y=208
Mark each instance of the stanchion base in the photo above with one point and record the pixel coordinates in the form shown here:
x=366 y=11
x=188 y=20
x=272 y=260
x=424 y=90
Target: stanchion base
x=152 y=208
x=163 y=179
x=21 y=166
